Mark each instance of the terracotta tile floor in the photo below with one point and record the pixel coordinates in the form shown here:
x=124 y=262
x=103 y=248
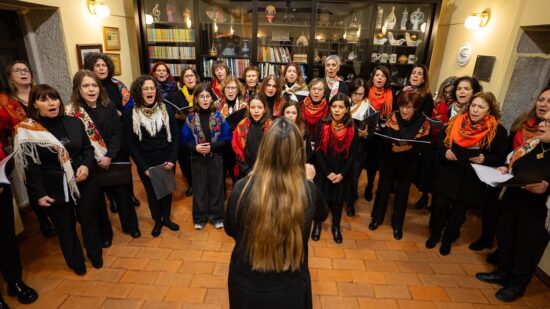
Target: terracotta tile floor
x=188 y=269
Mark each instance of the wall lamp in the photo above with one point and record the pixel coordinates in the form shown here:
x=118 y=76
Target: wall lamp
x=477 y=20
x=98 y=8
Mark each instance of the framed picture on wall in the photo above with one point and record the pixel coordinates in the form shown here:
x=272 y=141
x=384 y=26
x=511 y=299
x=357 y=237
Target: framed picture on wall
x=116 y=62
x=111 y=38
x=83 y=49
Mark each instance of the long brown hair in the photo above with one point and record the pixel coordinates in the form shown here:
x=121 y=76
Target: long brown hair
x=425 y=87
x=277 y=198
x=102 y=99
x=441 y=91
x=518 y=124
x=299 y=80
x=299 y=119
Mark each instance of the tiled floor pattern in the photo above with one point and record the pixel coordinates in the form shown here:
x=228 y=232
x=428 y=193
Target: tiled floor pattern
x=188 y=269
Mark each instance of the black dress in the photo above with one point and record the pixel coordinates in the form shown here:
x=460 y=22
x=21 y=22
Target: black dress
x=268 y=290
x=522 y=236
x=253 y=140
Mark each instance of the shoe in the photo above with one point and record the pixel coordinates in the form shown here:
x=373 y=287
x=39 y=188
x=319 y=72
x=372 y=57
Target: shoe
x=493 y=257
x=373 y=225
x=106 y=243
x=368 y=193
x=492 y=277
x=337 y=234
x=97 y=263
x=480 y=244
x=3 y=304
x=218 y=225
x=24 y=293
x=422 y=201
x=509 y=293
x=113 y=205
x=199 y=226
x=135 y=234
x=171 y=225
x=316 y=232
x=135 y=201
x=156 y=229
x=48 y=229
x=397 y=234
x=79 y=270
x=189 y=192
x=445 y=248
x=351 y=211
x=431 y=242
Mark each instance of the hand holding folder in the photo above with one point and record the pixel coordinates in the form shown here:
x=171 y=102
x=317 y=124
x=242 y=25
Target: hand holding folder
x=419 y=144
x=526 y=176
x=163 y=180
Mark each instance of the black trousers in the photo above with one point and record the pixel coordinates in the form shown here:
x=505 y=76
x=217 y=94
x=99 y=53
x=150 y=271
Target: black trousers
x=126 y=211
x=424 y=176
x=522 y=239
x=490 y=215
x=447 y=215
x=372 y=160
x=184 y=160
x=358 y=166
x=208 y=191
x=10 y=263
x=392 y=177
x=160 y=208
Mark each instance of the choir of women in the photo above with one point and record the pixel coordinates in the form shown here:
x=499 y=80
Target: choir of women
x=262 y=133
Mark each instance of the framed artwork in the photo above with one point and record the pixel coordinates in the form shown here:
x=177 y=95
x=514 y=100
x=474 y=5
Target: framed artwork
x=111 y=38
x=116 y=62
x=83 y=49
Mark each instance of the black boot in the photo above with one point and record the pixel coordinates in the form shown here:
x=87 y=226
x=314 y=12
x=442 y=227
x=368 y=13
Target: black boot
x=316 y=232
x=156 y=229
x=422 y=201
x=493 y=257
x=351 y=209
x=3 y=304
x=189 y=191
x=24 y=293
x=112 y=202
x=336 y=218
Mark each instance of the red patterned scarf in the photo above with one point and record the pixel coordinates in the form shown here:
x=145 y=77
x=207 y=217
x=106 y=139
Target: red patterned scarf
x=528 y=130
x=13 y=108
x=337 y=137
x=100 y=148
x=240 y=136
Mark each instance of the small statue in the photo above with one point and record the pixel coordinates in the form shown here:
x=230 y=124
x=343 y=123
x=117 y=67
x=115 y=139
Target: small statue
x=417 y=18
x=379 y=18
x=404 y=19
x=412 y=40
x=379 y=39
x=391 y=20
x=393 y=41
x=270 y=12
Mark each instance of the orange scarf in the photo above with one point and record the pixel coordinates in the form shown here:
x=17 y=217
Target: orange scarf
x=313 y=113
x=463 y=132
x=528 y=130
x=381 y=100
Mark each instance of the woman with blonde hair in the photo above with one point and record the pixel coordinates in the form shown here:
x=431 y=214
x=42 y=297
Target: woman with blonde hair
x=269 y=214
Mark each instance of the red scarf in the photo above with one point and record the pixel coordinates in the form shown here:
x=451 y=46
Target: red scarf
x=240 y=136
x=336 y=137
x=11 y=107
x=463 y=132
x=381 y=100
x=528 y=130
x=217 y=88
x=313 y=113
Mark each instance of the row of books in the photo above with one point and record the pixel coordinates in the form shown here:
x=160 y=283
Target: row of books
x=170 y=35
x=274 y=54
x=175 y=68
x=172 y=52
x=236 y=66
x=267 y=69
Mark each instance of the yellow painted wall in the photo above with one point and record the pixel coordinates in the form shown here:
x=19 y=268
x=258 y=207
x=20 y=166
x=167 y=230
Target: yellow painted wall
x=81 y=27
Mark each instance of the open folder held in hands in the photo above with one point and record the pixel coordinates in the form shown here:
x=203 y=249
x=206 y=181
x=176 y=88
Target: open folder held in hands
x=495 y=178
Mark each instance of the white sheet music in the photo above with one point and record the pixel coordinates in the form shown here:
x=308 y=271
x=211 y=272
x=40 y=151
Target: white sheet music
x=490 y=175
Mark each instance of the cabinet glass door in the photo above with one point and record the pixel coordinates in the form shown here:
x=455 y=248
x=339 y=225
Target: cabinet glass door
x=169 y=33
x=226 y=34
x=283 y=35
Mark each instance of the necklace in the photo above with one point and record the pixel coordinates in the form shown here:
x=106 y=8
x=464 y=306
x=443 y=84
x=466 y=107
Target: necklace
x=541 y=155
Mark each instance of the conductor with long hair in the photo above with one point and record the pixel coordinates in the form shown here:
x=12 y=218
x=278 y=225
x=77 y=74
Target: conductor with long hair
x=269 y=214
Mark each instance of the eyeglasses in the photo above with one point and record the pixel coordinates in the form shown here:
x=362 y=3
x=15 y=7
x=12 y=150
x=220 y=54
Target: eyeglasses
x=358 y=94
x=231 y=88
x=148 y=88
x=409 y=107
x=189 y=76
x=546 y=122
x=18 y=70
x=205 y=97
x=317 y=89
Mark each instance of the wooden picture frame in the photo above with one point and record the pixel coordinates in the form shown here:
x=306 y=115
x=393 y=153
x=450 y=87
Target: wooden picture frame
x=111 y=38
x=117 y=62
x=83 y=49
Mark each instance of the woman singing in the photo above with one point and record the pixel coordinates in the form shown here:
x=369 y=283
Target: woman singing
x=269 y=214
x=334 y=82
x=294 y=86
x=152 y=137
